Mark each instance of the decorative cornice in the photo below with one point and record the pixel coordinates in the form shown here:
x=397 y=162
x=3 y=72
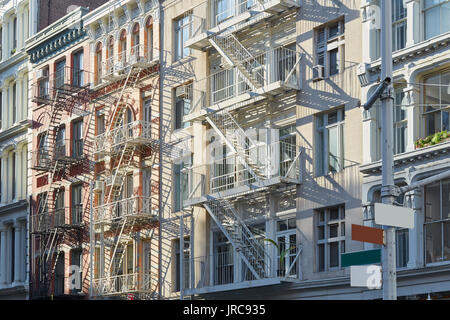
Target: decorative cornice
x=418 y=50
x=418 y=155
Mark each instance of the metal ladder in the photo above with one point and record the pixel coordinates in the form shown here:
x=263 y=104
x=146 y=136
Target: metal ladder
x=249 y=68
x=252 y=252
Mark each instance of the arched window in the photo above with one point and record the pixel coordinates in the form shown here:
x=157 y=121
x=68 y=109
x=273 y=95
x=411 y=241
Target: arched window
x=149 y=37
x=123 y=46
x=98 y=62
x=135 y=38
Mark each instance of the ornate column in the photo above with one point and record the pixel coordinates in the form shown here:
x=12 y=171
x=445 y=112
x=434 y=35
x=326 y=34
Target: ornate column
x=19 y=28
x=412 y=21
x=4 y=181
x=19 y=98
x=3 y=257
x=414 y=199
x=17 y=252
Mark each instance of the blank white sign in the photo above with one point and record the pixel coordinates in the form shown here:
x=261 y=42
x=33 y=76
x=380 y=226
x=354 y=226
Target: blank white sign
x=394 y=216
x=368 y=276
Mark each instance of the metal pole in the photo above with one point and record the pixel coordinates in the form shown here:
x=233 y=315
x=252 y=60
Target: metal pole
x=387 y=187
x=91 y=249
x=181 y=257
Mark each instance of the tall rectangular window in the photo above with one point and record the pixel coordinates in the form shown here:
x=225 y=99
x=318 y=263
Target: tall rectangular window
x=60 y=217
x=60 y=142
x=77 y=139
x=78 y=72
x=183 y=31
x=402 y=242
x=60 y=72
x=13 y=176
x=437 y=222
x=328 y=49
x=180 y=185
x=436 y=97
x=182 y=107
x=14 y=46
x=77 y=204
x=330 y=142
x=76 y=259
x=400 y=121
x=1 y=107
x=398 y=25
x=287 y=247
x=437 y=17
x=14 y=103
x=186 y=254
x=330 y=237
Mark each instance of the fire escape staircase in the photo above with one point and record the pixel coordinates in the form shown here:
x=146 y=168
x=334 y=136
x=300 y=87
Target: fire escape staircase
x=233 y=227
x=235 y=54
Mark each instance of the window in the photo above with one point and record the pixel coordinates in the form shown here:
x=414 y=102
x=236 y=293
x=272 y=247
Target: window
x=437 y=222
x=78 y=72
x=436 y=97
x=1 y=107
x=98 y=63
x=14 y=44
x=180 y=185
x=288 y=149
x=149 y=37
x=182 y=108
x=77 y=204
x=60 y=74
x=398 y=25
x=287 y=244
x=77 y=139
x=186 y=254
x=123 y=47
x=60 y=144
x=59 y=207
x=330 y=138
x=13 y=175
x=14 y=102
x=330 y=237
x=43 y=85
x=135 y=38
x=183 y=31
x=402 y=242
x=328 y=47
x=76 y=259
x=437 y=17
x=400 y=121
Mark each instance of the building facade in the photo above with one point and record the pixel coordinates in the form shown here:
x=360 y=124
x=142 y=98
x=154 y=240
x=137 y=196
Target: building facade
x=15 y=29
x=421 y=98
x=127 y=255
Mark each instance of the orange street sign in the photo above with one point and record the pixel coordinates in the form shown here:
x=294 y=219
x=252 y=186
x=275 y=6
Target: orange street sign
x=367 y=234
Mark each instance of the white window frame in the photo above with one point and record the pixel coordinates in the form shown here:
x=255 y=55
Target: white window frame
x=323 y=154
x=327 y=240
x=178 y=29
x=397 y=24
x=329 y=44
x=291 y=253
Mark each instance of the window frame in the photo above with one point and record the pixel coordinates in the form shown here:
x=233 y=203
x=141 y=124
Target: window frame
x=178 y=27
x=328 y=44
x=326 y=240
x=322 y=155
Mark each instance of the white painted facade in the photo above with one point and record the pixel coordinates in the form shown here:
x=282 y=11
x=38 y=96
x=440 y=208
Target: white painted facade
x=15 y=26
x=421 y=105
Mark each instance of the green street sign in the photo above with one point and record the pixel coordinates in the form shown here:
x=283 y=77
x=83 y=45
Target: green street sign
x=361 y=258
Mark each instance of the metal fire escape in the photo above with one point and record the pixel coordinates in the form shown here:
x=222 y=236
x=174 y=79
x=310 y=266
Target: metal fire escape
x=121 y=216
x=253 y=72
x=64 y=93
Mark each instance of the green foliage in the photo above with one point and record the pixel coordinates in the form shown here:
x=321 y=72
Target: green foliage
x=432 y=139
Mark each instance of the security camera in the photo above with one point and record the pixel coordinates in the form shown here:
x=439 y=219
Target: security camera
x=378 y=92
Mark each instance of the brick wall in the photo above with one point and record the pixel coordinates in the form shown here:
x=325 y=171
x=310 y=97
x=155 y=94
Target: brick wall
x=52 y=10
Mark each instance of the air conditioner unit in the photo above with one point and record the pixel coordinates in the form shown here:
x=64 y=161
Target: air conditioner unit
x=98 y=186
x=41 y=73
x=116 y=183
x=181 y=91
x=317 y=72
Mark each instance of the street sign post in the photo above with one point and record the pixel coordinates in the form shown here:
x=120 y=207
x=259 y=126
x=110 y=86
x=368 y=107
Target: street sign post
x=394 y=216
x=361 y=258
x=367 y=234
